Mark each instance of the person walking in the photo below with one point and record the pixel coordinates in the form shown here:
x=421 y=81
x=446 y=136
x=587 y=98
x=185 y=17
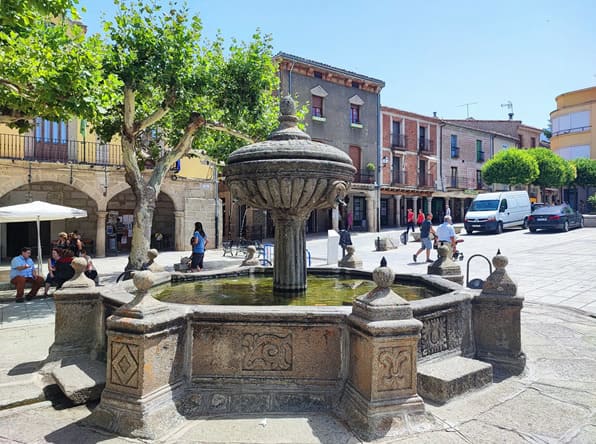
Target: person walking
x=199 y=242
x=22 y=270
x=446 y=234
x=410 y=221
x=447 y=210
x=426 y=244
x=420 y=218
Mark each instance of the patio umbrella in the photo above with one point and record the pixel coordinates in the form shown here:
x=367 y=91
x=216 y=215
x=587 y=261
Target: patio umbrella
x=36 y=212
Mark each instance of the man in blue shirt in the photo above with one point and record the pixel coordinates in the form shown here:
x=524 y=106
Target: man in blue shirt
x=22 y=270
x=446 y=234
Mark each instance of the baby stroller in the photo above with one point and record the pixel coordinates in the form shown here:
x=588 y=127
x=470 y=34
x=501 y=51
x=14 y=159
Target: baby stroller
x=457 y=254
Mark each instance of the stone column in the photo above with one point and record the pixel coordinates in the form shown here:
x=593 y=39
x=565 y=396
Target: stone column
x=335 y=219
x=397 y=210
x=371 y=213
x=100 y=234
x=430 y=205
x=179 y=235
x=289 y=274
x=145 y=360
x=415 y=205
x=462 y=208
x=381 y=392
x=496 y=318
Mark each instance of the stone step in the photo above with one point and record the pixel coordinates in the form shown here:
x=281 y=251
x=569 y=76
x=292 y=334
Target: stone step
x=81 y=381
x=443 y=379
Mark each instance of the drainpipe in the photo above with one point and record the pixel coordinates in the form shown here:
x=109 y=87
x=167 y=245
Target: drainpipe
x=290 y=79
x=379 y=165
x=441 y=125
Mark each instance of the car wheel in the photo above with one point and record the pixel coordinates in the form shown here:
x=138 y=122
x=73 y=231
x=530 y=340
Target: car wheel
x=469 y=230
x=566 y=226
x=525 y=224
x=532 y=230
x=499 y=228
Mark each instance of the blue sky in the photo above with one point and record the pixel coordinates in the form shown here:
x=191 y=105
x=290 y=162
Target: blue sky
x=433 y=55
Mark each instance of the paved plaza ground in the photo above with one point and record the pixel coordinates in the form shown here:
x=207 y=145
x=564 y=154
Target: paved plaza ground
x=554 y=400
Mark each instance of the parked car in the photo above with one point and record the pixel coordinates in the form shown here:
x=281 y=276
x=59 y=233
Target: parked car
x=537 y=205
x=555 y=217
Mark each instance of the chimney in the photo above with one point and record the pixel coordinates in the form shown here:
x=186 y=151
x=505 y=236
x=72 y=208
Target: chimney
x=434 y=114
x=510 y=116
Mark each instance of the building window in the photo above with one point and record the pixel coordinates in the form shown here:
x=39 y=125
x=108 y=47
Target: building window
x=479 y=152
x=355 y=114
x=50 y=132
x=318 y=75
x=453 y=178
x=396 y=136
x=533 y=143
x=454 y=147
x=355 y=84
x=317 y=106
x=422 y=142
x=479 y=183
x=571 y=123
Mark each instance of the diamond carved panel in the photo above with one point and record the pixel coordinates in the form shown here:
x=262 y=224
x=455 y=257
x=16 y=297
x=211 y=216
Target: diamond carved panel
x=125 y=364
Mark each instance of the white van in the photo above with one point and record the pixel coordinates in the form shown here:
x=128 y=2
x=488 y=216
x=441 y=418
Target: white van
x=495 y=211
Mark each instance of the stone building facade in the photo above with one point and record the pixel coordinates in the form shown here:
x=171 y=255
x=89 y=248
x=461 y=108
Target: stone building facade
x=343 y=111
x=409 y=164
x=73 y=173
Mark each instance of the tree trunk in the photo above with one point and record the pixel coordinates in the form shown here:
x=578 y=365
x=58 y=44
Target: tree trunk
x=143 y=222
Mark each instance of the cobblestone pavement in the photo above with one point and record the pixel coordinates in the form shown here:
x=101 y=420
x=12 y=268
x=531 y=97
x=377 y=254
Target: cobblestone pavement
x=552 y=401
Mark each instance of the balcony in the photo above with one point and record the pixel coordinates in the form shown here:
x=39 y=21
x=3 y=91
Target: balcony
x=425 y=145
x=426 y=180
x=18 y=147
x=463 y=183
x=398 y=141
x=455 y=152
x=479 y=156
x=365 y=176
x=399 y=178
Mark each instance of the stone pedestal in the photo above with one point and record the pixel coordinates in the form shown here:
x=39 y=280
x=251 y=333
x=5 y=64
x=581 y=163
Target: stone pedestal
x=380 y=391
x=445 y=267
x=496 y=319
x=145 y=359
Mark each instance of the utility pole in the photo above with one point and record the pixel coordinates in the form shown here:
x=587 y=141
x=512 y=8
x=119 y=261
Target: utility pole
x=467 y=105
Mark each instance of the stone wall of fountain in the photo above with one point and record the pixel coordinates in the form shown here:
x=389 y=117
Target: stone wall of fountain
x=289 y=175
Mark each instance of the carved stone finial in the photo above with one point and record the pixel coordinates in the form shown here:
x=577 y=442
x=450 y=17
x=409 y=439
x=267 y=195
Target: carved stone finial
x=383 y=275
x=445 y=266
x=143 y=280
x=350 y=260
x=287 y=107
x=499 y=283
x=79 y=280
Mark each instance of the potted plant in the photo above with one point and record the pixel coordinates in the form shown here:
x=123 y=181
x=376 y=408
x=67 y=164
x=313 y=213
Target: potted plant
x=370 y=167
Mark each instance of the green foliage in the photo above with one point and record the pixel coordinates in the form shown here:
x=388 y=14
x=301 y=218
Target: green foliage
x=554 y=171
x=586 y=172
x=548 y=131
x=161 y=56
x=48 y=69
x=512 y=166
x=592 y=201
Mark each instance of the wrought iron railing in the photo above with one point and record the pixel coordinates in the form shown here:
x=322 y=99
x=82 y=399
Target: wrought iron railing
x=425 y=145
x=398 y=141
x=426 y=180
x=399 y=178
x=364 y=176
x=19 y=147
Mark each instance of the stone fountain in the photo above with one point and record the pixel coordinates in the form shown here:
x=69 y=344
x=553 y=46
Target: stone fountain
x=289 y=175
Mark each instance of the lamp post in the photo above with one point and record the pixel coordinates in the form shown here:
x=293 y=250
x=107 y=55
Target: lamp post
x=216 y=200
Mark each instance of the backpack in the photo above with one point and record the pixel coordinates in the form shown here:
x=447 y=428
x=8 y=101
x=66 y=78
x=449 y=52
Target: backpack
x=193 y=241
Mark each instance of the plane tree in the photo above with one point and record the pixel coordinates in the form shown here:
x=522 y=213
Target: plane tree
x=179 y=93
x=512 y=167
x=49 y=68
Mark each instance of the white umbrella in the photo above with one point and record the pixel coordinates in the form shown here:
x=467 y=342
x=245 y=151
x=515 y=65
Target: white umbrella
x=36 y=212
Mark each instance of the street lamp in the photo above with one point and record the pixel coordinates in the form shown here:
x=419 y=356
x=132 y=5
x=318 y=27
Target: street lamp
x=215 y=197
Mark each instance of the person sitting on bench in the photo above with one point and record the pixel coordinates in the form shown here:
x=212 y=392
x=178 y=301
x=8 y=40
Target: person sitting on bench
x=22 y=270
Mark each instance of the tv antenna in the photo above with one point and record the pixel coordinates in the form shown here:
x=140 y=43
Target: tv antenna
x=509 y=106
x=467 y=105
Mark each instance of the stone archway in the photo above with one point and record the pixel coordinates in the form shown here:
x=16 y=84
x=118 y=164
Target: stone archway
x=122 y=205
x=17 y=234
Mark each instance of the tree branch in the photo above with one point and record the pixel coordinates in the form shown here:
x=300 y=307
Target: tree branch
x=216 y=126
